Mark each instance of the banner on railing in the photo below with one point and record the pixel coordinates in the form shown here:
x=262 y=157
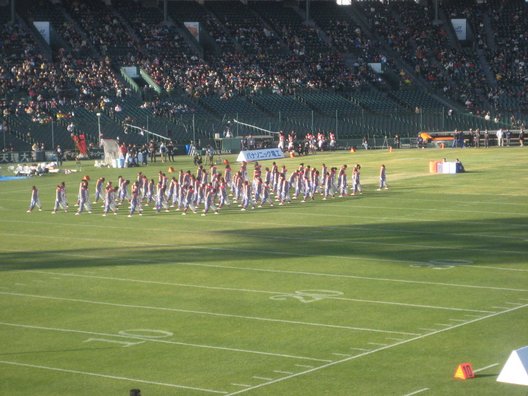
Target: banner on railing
x=43 y=28
x=194 y=29
x=460 y=27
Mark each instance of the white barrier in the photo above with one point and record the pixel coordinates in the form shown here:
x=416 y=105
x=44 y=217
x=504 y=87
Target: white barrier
x=260 y=155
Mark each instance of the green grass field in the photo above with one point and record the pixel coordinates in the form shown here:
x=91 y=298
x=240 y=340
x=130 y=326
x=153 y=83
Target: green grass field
x=379 y=294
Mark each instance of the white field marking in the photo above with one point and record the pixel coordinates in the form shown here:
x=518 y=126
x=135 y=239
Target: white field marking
x=249 y=290
x=346 y=276
x=494 y=268
x=416 y=392
x=361 y=205
x=282 y=372
x=335 y=276
x=512 y=303
x=394 y=339
x=340 y=354
x=168 y=342
x=443 y=324
x=303 y=365
x=263 y=378
x=367 y=353
x=241 y=385
x=205 y=313
x=377 y=343
x=428 y=329
x=360 y=349
x=499 y=307
x=124 y=344
x=485 y=368
x=457 y=320
x=113 y=377
x=472 y=316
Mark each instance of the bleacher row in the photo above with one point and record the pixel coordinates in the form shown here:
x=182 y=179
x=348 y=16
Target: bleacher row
x=261 y=63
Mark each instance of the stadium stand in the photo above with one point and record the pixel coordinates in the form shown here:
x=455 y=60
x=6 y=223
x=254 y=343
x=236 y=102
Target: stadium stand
x=261 y=62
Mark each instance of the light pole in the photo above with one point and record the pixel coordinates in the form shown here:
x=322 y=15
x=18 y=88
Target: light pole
x=52 y=134
x=99 y=125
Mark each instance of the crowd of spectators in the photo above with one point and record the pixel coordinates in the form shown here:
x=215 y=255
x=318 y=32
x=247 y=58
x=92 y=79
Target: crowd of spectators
x=267 y=53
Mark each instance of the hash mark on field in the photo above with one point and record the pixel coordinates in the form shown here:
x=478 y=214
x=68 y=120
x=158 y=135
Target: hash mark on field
x=304 y=365
x=443 y=324
x=266 y=378
x=457 y=320
x=242 y=385
x=340 y=354
x=485 y=368
x=395 y=339
x=360 y=349
x=416 y=392
x=109 y=376
x=376 y=343
x=500 y=307
x=512 y=303
x=426 y=329
x=282 y=372
x=417 y=338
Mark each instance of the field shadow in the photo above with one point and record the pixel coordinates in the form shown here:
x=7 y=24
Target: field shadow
x=487 y=241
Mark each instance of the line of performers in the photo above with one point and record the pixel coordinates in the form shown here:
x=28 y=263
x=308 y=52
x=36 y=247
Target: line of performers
x=213 y=189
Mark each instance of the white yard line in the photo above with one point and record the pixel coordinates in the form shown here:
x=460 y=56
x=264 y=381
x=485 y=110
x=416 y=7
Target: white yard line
x=205 y=313
x=416 y=392
x=420 y=337
x=113 y=377
x=111 y=278
x=485 y=368
x=322 y=274
x=263 y=378
x=179 y=343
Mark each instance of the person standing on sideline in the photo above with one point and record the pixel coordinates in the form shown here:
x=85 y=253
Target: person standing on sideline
x=486 y=138
x=500 y=136
x=59 y=154
x=521 y=137
x=35 y=200
x=383 y=178
x=170 y=150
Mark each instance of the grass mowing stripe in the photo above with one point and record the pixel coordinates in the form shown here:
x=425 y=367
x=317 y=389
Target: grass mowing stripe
x=113 y=377
x=350 y=276
x=312 y=273
x=111 y=278
x=383 y=348
x=150 y=339
x=349 y=242
x=293 y=322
